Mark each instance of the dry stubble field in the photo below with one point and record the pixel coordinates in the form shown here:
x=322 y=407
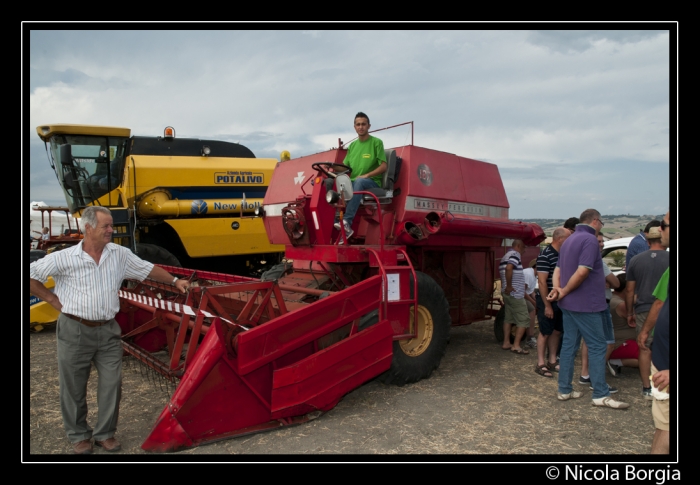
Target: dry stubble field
x=481 y=403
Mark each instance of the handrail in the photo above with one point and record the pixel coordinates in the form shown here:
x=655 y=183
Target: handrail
x=381 y=226
x=385 y=288
x=415 y=285
x=341 y=144
x=385 y=285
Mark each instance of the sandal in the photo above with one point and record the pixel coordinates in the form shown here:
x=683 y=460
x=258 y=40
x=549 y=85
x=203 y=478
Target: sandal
x=520 y=351
x=543 y=370
x=553 y=367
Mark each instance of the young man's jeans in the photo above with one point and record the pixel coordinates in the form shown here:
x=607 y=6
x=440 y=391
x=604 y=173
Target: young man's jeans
x=354 y=203
x=590 y=326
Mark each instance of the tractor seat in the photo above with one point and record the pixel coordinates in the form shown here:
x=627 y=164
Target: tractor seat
x=386 y=192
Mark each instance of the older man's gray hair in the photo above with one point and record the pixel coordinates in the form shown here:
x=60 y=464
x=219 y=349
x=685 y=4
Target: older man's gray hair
x=90 y=215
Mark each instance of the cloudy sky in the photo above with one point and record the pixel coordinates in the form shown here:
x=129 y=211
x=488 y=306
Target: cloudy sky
x=573 y=118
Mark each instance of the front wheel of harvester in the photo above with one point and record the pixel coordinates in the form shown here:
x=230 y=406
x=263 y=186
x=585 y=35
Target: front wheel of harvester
x=417 y=358
x=156 y=255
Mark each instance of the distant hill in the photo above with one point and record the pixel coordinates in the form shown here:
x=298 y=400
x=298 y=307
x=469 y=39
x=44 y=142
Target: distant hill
x=616 y=226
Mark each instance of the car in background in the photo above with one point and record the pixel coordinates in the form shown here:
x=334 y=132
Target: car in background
x=615 y=253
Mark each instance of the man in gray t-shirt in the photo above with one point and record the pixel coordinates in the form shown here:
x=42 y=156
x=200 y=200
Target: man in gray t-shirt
x=643 y=273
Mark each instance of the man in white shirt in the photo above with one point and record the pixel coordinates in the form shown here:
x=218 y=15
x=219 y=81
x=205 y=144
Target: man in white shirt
x=87 y=280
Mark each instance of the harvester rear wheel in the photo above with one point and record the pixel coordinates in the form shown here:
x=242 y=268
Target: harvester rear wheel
x=156 y=254
x=415 y=359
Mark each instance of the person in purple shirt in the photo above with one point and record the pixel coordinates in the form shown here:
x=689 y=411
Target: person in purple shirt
x=579 y=289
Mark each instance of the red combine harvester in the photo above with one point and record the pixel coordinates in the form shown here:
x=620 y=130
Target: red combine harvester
x=252 y=355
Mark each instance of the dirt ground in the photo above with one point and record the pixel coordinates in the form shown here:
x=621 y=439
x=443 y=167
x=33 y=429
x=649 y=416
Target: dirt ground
x=480 y=402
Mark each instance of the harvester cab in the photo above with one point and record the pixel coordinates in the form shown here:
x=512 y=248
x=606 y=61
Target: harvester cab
x=250 y=355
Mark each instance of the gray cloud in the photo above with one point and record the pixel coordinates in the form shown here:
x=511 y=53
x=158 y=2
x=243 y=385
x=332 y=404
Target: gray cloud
x=577 y=41
x=542 y=105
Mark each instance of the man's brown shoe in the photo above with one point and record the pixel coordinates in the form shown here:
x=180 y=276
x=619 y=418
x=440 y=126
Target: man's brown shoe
x=110 y=444
x=83 y=447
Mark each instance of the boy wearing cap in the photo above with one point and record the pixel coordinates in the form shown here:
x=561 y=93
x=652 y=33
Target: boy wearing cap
x=643 y=273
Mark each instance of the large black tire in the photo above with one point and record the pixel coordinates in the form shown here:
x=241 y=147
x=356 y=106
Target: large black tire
x=417 y=358
x=35 y=254
x=156 y=254
x=498 y=324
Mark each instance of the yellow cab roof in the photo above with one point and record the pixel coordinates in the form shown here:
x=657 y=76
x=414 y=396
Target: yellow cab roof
x=45 y=132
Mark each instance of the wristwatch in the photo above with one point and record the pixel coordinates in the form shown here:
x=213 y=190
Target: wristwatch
x=174 y=281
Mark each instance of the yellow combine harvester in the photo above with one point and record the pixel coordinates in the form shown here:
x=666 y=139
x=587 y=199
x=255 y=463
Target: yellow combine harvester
x=175 y=201
x=40 y=312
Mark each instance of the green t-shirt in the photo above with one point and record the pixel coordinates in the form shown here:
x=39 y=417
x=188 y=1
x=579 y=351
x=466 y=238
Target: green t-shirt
x=661 y=290
x=365 y=156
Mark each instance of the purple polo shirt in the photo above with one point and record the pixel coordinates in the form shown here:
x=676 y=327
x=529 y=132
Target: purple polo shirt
x=581 y=249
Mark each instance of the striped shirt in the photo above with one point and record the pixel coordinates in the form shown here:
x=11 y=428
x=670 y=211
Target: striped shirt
x=546 y=262
x=87 y=289
x=518 y=280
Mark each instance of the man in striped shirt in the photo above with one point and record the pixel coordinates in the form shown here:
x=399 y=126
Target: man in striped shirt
x=549 y=316
x=513 y=293
x=87 y=280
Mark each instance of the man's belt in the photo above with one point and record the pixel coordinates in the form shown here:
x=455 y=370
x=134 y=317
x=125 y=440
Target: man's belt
x=85 y=321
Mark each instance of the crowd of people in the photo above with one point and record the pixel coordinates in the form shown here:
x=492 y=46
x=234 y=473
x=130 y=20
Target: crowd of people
x=582 y=306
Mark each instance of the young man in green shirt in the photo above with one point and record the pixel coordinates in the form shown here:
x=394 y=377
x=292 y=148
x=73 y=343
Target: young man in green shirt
x=367 y=160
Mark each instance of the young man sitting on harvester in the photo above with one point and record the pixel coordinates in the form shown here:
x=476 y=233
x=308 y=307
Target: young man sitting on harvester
x=367 y=160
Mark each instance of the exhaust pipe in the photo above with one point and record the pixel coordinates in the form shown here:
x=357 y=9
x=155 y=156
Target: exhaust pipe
x=410 y=234
x=432 y=223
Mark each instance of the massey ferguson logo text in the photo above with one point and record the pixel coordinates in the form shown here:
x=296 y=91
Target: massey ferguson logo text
x=239 y=178
x=455 y=207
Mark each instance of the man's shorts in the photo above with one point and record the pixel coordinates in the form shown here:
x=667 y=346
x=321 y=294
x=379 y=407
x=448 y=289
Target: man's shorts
x=530 y=306
x=640 y=318
x=626 y=350
x=516 y=311
x=660 y=409
x=548 y=325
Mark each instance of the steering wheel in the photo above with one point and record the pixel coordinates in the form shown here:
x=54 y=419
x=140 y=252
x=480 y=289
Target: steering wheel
x=323 y=166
